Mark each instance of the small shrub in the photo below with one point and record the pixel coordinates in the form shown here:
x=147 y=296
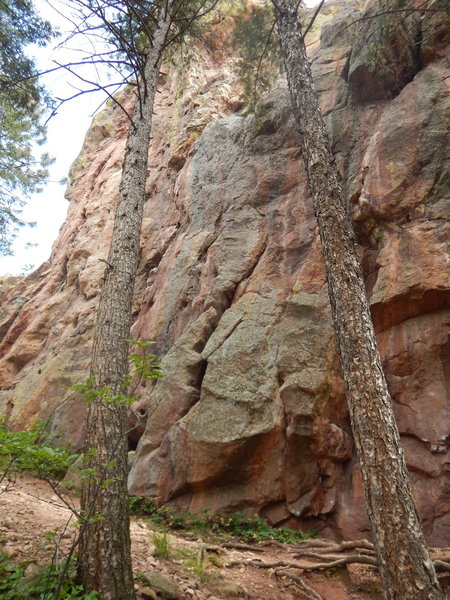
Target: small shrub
x=141 y=507
x=162 y=545
x=250 y=528
x=14 y=585
x=32 y=452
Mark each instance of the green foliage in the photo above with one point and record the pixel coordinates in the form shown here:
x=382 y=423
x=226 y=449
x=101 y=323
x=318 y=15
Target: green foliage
x=256 y=44
x=162 y=545
x=145 y=365
x=126 y=29
x=192 y=24
x=32 y=452
x=146 y=368
x=21 y=103
x=253 y=528
x=103 y=395
x=15 y=585
x=205 y=523
x=197 y=565
x=140 y=506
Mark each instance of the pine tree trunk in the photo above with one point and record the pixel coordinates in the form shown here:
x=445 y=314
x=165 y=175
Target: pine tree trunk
x=104 y=551
x=405 y=565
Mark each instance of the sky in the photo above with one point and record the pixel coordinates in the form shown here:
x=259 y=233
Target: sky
x=65 y=135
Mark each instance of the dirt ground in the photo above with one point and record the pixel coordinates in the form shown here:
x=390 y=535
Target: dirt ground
x=200 y=570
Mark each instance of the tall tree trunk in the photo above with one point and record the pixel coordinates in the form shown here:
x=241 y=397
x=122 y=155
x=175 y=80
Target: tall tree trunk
x=104 y=552
x=405 y=565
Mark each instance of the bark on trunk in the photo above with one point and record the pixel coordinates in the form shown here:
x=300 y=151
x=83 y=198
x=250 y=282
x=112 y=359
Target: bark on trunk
x=405 y=565
x=104 y=552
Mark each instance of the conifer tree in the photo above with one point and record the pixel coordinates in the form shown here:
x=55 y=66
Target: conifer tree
x=21 y=103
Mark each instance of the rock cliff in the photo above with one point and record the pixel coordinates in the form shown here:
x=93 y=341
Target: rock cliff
x=251 y=412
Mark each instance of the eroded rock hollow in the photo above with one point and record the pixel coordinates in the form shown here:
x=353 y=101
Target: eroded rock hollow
x=251 y=413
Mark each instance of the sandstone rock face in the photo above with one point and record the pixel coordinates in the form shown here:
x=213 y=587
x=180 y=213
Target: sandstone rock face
x=385 y=54
x=251 y=411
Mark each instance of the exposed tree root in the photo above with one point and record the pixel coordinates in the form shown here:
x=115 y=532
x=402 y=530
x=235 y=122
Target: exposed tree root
x=335 y=546
x=315 y=555
x=233 y=546
x=441 y=565
x=327 y=563
x=263 y=565
x=306 y=589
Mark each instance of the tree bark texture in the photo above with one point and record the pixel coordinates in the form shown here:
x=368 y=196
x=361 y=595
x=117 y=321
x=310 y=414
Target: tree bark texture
x=104 y=551
x=405 y=565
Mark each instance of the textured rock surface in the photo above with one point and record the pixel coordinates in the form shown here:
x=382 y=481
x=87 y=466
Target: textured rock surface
x=386 y=55
x=251 y=412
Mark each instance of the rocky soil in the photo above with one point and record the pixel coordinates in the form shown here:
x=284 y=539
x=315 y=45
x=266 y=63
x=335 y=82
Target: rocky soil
x=251 y=412
x=29 y=509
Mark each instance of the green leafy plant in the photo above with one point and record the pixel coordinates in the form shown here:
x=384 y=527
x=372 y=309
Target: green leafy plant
x=145 y=364
x=145 y=368
x=46 y=584
x=206 y=523
x=142 y=507
x=32 y=452
x=254 y=528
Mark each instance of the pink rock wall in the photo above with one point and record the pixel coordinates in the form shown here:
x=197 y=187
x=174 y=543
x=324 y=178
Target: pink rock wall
x=251 y=412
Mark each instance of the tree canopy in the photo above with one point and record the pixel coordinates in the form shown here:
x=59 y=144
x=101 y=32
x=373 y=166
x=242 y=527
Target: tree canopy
x=22 y=99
